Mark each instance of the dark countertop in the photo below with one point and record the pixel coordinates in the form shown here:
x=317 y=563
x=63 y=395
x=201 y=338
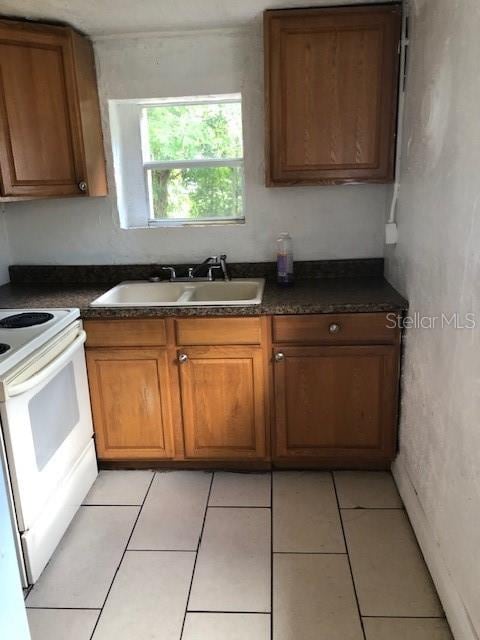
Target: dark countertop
x=328 y=295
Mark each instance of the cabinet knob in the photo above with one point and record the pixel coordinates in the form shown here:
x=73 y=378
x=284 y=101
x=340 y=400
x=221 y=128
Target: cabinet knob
x=182 y=358
x=279 y=356
x=334 y=328
x=82 y=185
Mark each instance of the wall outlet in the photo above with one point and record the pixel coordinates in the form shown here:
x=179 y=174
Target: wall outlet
x=391 y=233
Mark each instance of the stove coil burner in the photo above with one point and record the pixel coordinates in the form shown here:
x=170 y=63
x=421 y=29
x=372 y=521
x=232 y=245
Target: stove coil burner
x=22 y=320
x=4 y=348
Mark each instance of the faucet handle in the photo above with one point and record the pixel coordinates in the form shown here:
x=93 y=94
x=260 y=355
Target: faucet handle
x=173 y=275
x=223 y=266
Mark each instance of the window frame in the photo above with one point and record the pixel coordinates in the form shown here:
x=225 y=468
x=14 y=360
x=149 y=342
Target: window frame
x=149 y=165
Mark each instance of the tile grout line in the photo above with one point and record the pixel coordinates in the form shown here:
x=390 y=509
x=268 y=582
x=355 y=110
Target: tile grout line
x=65 y=608
x=271 y=555
x=332 y=475
x=164 y=550
x=243 y=613
x=408 y=617
x=372 y=508
x=26 y=592
x=123 y=555
x=196 y=555
x=237 y=506
x=112 y=505
x=310 y=553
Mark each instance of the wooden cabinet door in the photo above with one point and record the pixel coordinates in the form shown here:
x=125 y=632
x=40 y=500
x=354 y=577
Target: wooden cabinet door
x=130 y=393
x=44 y=99
x=336 y=403
x=331 y=79
x=223 y=402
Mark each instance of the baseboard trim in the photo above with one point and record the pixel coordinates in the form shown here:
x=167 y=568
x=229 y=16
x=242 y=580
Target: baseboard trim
x=457 y=615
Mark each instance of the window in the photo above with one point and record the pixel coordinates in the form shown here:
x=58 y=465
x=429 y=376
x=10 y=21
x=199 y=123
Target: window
x=192 y=155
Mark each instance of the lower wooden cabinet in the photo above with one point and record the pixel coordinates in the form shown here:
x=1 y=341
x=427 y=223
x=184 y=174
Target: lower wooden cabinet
x=335 y=403
x=222 y=393
x=131 y=404
x=323 y=394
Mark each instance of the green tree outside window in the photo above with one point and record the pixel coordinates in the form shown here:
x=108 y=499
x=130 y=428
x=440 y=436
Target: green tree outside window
x=193 y=133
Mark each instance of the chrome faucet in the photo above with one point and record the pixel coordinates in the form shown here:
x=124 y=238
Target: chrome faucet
x=211 y=264
x=211 y=260
x=173 y=275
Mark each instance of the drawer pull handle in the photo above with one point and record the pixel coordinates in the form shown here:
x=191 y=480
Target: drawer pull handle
x=279 y=357
x=82 y=185
x=334 y=328
x=182 y=358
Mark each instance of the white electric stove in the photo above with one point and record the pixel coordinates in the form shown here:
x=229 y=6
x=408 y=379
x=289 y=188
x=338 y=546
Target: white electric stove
x=22 y=332
x=47 y=433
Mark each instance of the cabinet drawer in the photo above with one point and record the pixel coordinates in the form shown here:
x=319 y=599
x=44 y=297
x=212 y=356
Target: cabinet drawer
x=125 y=333
x=212 y=331
x=343 y=328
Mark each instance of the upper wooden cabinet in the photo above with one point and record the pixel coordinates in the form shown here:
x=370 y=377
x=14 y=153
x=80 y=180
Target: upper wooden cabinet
x=50 y=130
x=331 y=78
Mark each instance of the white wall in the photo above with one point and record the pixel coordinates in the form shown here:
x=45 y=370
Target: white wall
x=326 y=222
x=437 y=265
x=4 y=248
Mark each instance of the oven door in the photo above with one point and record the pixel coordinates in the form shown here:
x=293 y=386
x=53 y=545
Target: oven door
x=47 y=423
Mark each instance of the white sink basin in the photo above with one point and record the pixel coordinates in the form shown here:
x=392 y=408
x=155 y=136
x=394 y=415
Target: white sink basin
x=238 y=292
x=231 y=291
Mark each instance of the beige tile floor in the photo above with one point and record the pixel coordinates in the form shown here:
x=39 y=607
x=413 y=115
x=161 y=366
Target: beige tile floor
x=192 y=555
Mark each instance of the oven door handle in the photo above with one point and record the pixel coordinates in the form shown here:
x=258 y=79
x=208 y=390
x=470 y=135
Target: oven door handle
x=46 y=372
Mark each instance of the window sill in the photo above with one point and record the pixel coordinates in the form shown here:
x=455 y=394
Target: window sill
x=172 y=224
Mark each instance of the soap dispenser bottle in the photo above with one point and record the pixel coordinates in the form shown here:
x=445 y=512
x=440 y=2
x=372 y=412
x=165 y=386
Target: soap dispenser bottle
x=284 y=259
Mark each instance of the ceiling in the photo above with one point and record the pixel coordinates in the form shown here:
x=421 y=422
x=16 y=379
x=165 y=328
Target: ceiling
x=108 y=17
